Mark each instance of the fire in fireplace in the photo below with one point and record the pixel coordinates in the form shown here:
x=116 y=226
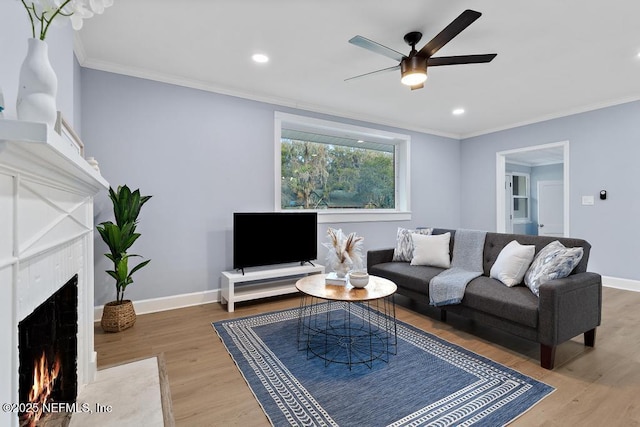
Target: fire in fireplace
x=47 y=352
x=45 y=375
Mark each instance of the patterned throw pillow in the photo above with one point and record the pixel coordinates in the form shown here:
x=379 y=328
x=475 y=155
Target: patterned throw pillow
x=404 y=243
x=554 y=261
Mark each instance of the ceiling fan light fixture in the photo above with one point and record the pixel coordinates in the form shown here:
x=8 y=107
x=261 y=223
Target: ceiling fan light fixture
x=413 y=79
x=413 y=71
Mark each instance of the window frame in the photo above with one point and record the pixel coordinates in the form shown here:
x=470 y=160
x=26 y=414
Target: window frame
x=527 y=197
x=402 y=144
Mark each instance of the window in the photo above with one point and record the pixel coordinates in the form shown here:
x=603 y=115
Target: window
x=520 y=195
x=344 y=172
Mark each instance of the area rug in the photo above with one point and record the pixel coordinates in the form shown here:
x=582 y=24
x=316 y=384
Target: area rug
x=429 y=381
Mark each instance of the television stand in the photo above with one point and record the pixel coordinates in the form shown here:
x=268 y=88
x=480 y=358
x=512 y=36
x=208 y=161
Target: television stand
x=262 y=282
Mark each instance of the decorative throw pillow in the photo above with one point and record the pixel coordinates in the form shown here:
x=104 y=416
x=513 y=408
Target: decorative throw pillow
x=554 y=261
x=512 y=263
x=404 y=243
x=432 y=250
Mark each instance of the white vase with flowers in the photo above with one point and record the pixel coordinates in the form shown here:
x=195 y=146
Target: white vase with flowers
x=345 y=251
x=38 y=83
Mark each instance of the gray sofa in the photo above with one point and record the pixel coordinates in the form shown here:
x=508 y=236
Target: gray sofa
x=566 y=307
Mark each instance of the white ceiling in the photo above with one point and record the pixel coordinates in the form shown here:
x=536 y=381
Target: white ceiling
x=554 y=57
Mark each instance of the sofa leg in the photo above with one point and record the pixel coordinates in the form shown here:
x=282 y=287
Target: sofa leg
x=443 y=315
x=590 y=338
x=547 y=356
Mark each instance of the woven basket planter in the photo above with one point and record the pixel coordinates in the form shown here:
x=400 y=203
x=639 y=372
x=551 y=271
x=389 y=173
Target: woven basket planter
x=117 y=317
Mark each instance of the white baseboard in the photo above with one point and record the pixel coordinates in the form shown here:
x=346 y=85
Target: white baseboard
x=154 y=305
x=626 y=284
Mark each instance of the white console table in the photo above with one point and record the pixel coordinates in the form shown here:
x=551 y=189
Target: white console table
x=262 y=282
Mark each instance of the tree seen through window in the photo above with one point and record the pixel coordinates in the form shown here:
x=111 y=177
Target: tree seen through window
x=330 y=176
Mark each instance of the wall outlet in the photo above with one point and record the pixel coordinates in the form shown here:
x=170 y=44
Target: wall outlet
x=587 y=200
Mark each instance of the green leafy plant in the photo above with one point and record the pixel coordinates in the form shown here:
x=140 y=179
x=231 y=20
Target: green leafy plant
x=120 y=236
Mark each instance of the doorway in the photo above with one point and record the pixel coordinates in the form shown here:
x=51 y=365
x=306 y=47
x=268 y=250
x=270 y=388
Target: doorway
x=542 y=163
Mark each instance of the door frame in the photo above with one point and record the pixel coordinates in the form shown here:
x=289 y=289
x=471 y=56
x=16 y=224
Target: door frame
x=501 y=161
x=508 y=200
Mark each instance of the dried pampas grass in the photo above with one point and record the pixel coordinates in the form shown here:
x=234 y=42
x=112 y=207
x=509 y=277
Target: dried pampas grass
x=344 y=249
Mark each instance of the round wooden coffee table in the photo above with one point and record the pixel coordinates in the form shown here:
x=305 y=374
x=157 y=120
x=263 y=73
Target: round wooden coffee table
x=347 y=325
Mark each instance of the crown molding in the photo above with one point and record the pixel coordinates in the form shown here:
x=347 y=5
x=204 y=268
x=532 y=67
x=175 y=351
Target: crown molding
x=253 y=96
x=110 y=67
x=557 y=115
x=78 y=48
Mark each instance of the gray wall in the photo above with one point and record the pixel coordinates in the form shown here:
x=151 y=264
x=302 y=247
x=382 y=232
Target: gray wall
x=604 y=152
x=16 y=29
x=203 y=156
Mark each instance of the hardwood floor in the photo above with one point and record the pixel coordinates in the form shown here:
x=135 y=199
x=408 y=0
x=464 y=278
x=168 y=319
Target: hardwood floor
x=595 y=386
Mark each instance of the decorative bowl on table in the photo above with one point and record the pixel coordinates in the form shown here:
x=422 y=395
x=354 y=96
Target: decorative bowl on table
x=358 y=279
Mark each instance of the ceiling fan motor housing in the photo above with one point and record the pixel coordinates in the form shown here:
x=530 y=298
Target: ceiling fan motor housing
x=413 y=65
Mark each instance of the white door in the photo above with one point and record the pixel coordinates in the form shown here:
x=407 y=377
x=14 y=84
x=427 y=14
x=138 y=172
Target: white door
x=550 y=208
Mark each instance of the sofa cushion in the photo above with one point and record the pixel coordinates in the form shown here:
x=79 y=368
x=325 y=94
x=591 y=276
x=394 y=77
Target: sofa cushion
x=431 y=250
x=488 y=295
x=415 y=278
x=512 y=263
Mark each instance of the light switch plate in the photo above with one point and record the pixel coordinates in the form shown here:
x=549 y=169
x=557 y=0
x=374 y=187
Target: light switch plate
x=587 y=200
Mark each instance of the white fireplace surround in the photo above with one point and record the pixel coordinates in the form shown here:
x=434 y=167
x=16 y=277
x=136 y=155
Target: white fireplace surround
x=46 y=237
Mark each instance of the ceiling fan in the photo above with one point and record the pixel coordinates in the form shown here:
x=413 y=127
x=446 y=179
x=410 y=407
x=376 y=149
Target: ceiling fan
x=413 y=68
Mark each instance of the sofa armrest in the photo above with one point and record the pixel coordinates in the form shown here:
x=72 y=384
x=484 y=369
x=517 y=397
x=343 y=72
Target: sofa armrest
x=379 y=256
x=569 y=307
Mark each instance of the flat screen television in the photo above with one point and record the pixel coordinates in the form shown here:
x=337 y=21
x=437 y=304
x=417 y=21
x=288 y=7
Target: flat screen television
x=267 y=238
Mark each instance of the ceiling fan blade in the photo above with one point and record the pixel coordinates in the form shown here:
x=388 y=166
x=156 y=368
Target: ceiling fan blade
x=384 y=70
x=376 y=47
x=461 y=59
x=465 y=19
x=420 y=86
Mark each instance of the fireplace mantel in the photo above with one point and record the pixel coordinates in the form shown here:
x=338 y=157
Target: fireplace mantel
x=36 y=149
x=46 y=237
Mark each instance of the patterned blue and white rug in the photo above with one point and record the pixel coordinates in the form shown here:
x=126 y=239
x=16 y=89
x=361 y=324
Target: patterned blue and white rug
x=428 y=382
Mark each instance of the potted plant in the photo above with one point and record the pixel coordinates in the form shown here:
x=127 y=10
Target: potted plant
x=119 y=315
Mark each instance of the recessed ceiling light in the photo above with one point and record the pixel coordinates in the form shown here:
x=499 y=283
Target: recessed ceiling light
x=260 y=58
x=458 y=111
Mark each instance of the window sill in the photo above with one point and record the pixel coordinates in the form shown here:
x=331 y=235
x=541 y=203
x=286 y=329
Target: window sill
x=365 y=215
